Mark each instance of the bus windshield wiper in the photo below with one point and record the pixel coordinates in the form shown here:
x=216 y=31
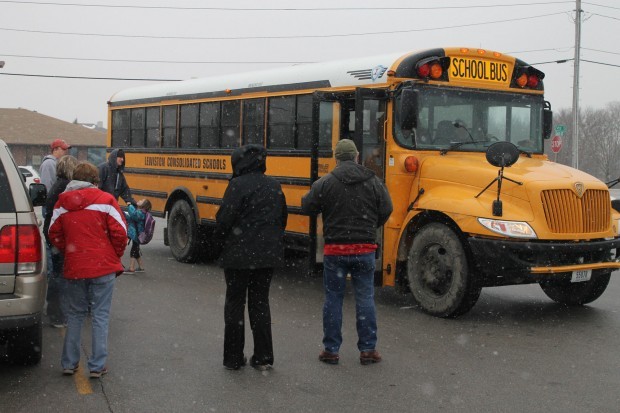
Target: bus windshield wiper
x=455 y=145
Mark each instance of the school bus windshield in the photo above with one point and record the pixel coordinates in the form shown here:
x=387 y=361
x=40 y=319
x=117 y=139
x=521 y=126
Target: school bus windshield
x=474 y=120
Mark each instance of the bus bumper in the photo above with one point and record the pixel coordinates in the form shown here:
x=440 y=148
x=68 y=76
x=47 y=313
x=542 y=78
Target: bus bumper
x=502 y=262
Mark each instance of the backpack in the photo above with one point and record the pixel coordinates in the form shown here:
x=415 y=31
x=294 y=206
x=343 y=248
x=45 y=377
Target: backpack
x=149 y=228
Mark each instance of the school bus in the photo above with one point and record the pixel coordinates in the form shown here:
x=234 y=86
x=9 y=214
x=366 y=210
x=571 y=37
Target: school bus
x=457 y=135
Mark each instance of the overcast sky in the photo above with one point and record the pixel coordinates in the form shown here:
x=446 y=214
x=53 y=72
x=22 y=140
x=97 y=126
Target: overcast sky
x=177 y=39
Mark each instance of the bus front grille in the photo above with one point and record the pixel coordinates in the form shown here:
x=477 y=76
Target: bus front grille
x=567 y=213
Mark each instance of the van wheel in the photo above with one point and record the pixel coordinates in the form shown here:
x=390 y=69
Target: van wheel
x=25 y=344
x=183 y=235
x=566 y=292
x=438 y=272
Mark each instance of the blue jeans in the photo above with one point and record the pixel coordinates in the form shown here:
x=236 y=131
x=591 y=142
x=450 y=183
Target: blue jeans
x=362 y=270
x=78 y=292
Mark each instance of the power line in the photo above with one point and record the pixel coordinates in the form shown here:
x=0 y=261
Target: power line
x=151 y=61
x=601 y=5
x=599 y=63
x=89 y=77
x=552 y=49
x=279 y=37
x=606 y=17
x=600 y=51
x=571 y=59
x=177 y=80
x=47 y=3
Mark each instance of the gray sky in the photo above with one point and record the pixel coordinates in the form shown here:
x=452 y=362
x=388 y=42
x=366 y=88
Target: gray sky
x=176 y=39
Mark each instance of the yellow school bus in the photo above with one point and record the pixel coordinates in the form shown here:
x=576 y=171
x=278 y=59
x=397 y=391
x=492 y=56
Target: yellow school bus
x=457 y=135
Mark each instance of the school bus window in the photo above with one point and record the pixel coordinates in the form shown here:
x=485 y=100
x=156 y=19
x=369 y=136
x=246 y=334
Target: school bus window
x=137 y=127
x=304 y=122
x=326 y=120
x=230 y=124
x=120 y=128
x=152 y=127
x=281 y=122
x=253 y=121
x=209 y=125
x=189 y=126
x=170 y=126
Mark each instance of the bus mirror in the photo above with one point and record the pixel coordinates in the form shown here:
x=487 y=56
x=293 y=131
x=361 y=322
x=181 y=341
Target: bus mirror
x=502 y=154
x=408 y=110
x=547 y=123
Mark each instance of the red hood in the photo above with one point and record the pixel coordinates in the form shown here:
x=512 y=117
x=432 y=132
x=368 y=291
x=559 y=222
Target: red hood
x=79 y=198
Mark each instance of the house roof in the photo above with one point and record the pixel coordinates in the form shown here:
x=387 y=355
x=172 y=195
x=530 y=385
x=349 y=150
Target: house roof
x=26 y=127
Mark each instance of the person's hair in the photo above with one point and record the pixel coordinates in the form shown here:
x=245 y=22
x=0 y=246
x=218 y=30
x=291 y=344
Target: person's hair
x=65 y=166
x=146 y=205
x=87 y=172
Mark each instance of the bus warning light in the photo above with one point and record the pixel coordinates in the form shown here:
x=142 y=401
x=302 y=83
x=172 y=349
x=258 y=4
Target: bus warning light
x=436 y=70
x=532 y=81
x=522 y=80
x=424 y=70
x=411 y=164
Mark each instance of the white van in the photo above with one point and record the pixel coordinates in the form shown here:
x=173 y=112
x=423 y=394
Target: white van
x=23 y=281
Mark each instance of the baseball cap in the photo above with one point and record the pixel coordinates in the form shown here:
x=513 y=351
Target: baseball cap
x=345 y=150
x=59 y=143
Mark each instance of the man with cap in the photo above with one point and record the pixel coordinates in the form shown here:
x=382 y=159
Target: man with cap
x=354 y=202
x=47 y=170
x=47 y=173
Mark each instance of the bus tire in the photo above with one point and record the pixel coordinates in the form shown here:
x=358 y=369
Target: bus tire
x=438 y=272
x=566 y=292
x=24 y=345
x=183 y=234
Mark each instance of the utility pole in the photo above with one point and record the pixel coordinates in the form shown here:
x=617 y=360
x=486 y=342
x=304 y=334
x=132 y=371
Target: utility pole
x=578 y=12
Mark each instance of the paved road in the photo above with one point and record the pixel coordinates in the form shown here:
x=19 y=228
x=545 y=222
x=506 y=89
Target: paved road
x=516 y=351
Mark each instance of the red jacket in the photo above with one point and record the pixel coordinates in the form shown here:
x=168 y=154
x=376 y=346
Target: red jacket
x=90 y=229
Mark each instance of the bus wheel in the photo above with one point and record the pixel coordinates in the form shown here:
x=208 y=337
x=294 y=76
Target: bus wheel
x=566 y=292
x=183 y=233
x=438 y=272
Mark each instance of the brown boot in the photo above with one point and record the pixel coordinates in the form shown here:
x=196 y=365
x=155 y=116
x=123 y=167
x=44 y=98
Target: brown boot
x=370 y=357
x=329 y=358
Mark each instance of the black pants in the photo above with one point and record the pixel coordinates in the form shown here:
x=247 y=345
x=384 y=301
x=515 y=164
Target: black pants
x=256 y=282
x=135 y=250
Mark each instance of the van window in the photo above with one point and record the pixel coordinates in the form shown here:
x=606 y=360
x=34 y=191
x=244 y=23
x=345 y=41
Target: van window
x=6 y=200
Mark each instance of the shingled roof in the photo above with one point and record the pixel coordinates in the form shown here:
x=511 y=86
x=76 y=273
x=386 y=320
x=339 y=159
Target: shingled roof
x=26 y=127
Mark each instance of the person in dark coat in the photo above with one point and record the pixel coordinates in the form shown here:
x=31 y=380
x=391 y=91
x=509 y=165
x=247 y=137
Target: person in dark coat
x=354 y=203
x=250 y=225
x=111 y=177
x=56 y=310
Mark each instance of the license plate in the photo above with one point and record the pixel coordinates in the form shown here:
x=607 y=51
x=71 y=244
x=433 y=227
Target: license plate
x=581 y=275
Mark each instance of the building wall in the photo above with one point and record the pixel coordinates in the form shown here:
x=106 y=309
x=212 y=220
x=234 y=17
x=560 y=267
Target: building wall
x=33 y=154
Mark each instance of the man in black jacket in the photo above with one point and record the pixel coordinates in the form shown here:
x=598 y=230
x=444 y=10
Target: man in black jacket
x=111 y=177
x=354 y=203
x=250 y=224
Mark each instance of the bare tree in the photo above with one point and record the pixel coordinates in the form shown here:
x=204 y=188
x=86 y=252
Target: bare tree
x=599 y=140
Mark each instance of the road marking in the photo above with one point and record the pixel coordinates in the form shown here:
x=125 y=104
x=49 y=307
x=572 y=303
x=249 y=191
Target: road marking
x=82 y=383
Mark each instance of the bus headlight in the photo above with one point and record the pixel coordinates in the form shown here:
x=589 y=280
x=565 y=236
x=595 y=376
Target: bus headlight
x=513 y=229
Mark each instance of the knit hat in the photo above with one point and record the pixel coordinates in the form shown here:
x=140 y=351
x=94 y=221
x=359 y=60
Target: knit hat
x=345 y=150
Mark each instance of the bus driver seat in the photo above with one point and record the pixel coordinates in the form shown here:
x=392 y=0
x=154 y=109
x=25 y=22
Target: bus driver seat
x=445 y=133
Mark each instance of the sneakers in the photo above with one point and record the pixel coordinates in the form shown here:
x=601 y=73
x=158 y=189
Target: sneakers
x=140 y=269
x=128 y=271
x=59 y=325
x=329 y=358
x=260 y=366
x=236 y=367
x=98 y=374
x=70 y=372
x=369 y=357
